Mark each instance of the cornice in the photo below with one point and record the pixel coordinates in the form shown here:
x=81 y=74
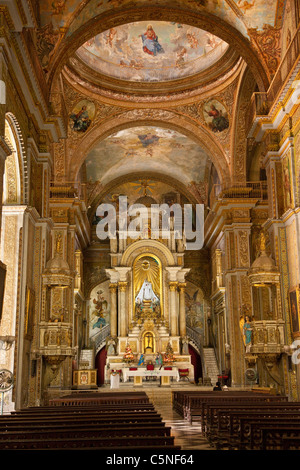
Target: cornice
x=171 y=97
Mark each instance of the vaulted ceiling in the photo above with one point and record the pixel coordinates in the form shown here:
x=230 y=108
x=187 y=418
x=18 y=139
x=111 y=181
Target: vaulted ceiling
x=185 y=60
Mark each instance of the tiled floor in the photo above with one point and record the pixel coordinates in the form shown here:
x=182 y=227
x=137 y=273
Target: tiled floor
x=187 y=435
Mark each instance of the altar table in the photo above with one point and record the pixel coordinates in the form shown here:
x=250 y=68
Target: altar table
x=143 y=372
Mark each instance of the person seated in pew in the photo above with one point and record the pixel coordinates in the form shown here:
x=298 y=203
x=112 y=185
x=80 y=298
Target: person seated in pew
x=217 y=387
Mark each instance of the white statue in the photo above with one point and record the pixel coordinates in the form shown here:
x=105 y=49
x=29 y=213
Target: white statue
x=146 y=293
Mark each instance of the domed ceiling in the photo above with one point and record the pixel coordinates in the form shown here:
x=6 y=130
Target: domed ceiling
x=147 y=149
x=149 y=52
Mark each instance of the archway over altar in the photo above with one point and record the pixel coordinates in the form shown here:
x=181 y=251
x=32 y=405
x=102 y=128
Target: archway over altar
x=147 y=307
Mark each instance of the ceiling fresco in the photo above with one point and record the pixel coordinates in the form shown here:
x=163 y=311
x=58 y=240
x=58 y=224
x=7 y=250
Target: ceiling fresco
x=155 y=51
x=118 y=52
x=143 y=149
x=133 y=190
x=242 y=14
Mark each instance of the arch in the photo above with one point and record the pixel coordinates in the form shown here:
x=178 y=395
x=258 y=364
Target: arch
x=195 y=131
x=147 y=247
x=15 y=175
x=103 y=191
x=119 y=15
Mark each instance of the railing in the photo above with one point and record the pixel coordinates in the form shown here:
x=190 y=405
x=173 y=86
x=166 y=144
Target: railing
x=266 y=336
x=286 y=67
x=69 y=190
x=261 y=103
x=101 y=337
x=248 y=190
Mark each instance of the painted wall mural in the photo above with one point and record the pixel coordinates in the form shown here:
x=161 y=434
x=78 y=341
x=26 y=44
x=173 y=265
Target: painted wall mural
x=195 y=307
x=215 y=116
x=99 y=305
x=64 y=17
x=82 y=115
x=156 y=51
x=147 y=148
x=236 y=12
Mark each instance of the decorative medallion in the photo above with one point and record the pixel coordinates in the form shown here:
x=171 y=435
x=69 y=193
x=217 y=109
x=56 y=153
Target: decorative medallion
x=82 y=115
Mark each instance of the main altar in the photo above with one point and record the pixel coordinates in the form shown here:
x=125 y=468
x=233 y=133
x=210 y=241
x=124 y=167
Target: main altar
x=147 y=304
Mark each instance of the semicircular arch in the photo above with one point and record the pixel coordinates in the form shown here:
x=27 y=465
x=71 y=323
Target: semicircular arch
x=143 y=247
x=196 y=132
x=120 y=15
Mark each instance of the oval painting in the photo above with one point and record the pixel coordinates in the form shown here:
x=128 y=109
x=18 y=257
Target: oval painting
x=82 y=115
x=215 y=115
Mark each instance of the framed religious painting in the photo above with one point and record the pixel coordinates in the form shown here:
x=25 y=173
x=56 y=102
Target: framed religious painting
x=294 y=295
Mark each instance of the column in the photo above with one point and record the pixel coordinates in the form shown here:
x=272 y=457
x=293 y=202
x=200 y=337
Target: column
x=182 y=319
x=113 y=309
x=122 y=312
x=173 y=310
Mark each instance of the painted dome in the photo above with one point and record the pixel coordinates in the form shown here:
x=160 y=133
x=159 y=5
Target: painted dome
x=152 y=51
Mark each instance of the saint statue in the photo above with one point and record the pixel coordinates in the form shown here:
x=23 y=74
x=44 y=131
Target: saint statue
x=146 y=293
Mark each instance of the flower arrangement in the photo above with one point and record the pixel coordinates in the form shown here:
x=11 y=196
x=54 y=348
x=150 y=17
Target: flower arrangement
x=128 y=356
x=169 y=355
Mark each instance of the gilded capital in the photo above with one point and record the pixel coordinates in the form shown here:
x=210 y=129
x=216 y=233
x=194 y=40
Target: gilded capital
x=173 y=286
x=113 y=287
x=123 y=286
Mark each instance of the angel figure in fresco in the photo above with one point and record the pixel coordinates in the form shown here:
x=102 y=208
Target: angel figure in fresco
x=148 y=139
x=192 y=40
x=180 y=57
x=110 y=37
x=100 y=309
x=193 y=310
x=58 y=7
x=151 y=45
x=244 y=5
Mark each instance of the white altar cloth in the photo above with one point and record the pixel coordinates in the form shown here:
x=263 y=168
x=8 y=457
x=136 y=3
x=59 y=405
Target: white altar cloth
x=115 y=381
x=143 y=372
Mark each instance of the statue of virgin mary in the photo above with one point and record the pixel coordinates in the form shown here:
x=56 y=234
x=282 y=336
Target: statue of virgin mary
x=146 y=293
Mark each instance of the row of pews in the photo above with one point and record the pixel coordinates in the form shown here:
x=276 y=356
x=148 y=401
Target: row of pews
x=103 y=421
x=242 y=420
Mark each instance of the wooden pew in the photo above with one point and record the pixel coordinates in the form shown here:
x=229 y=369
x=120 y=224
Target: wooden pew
x=80 y=421
x=290 y=442
x=98 y=398
x=118 y=421
x=112 y=443
x=238 y=437
x=220 y=417
x=195 y=410
x=267 y=434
